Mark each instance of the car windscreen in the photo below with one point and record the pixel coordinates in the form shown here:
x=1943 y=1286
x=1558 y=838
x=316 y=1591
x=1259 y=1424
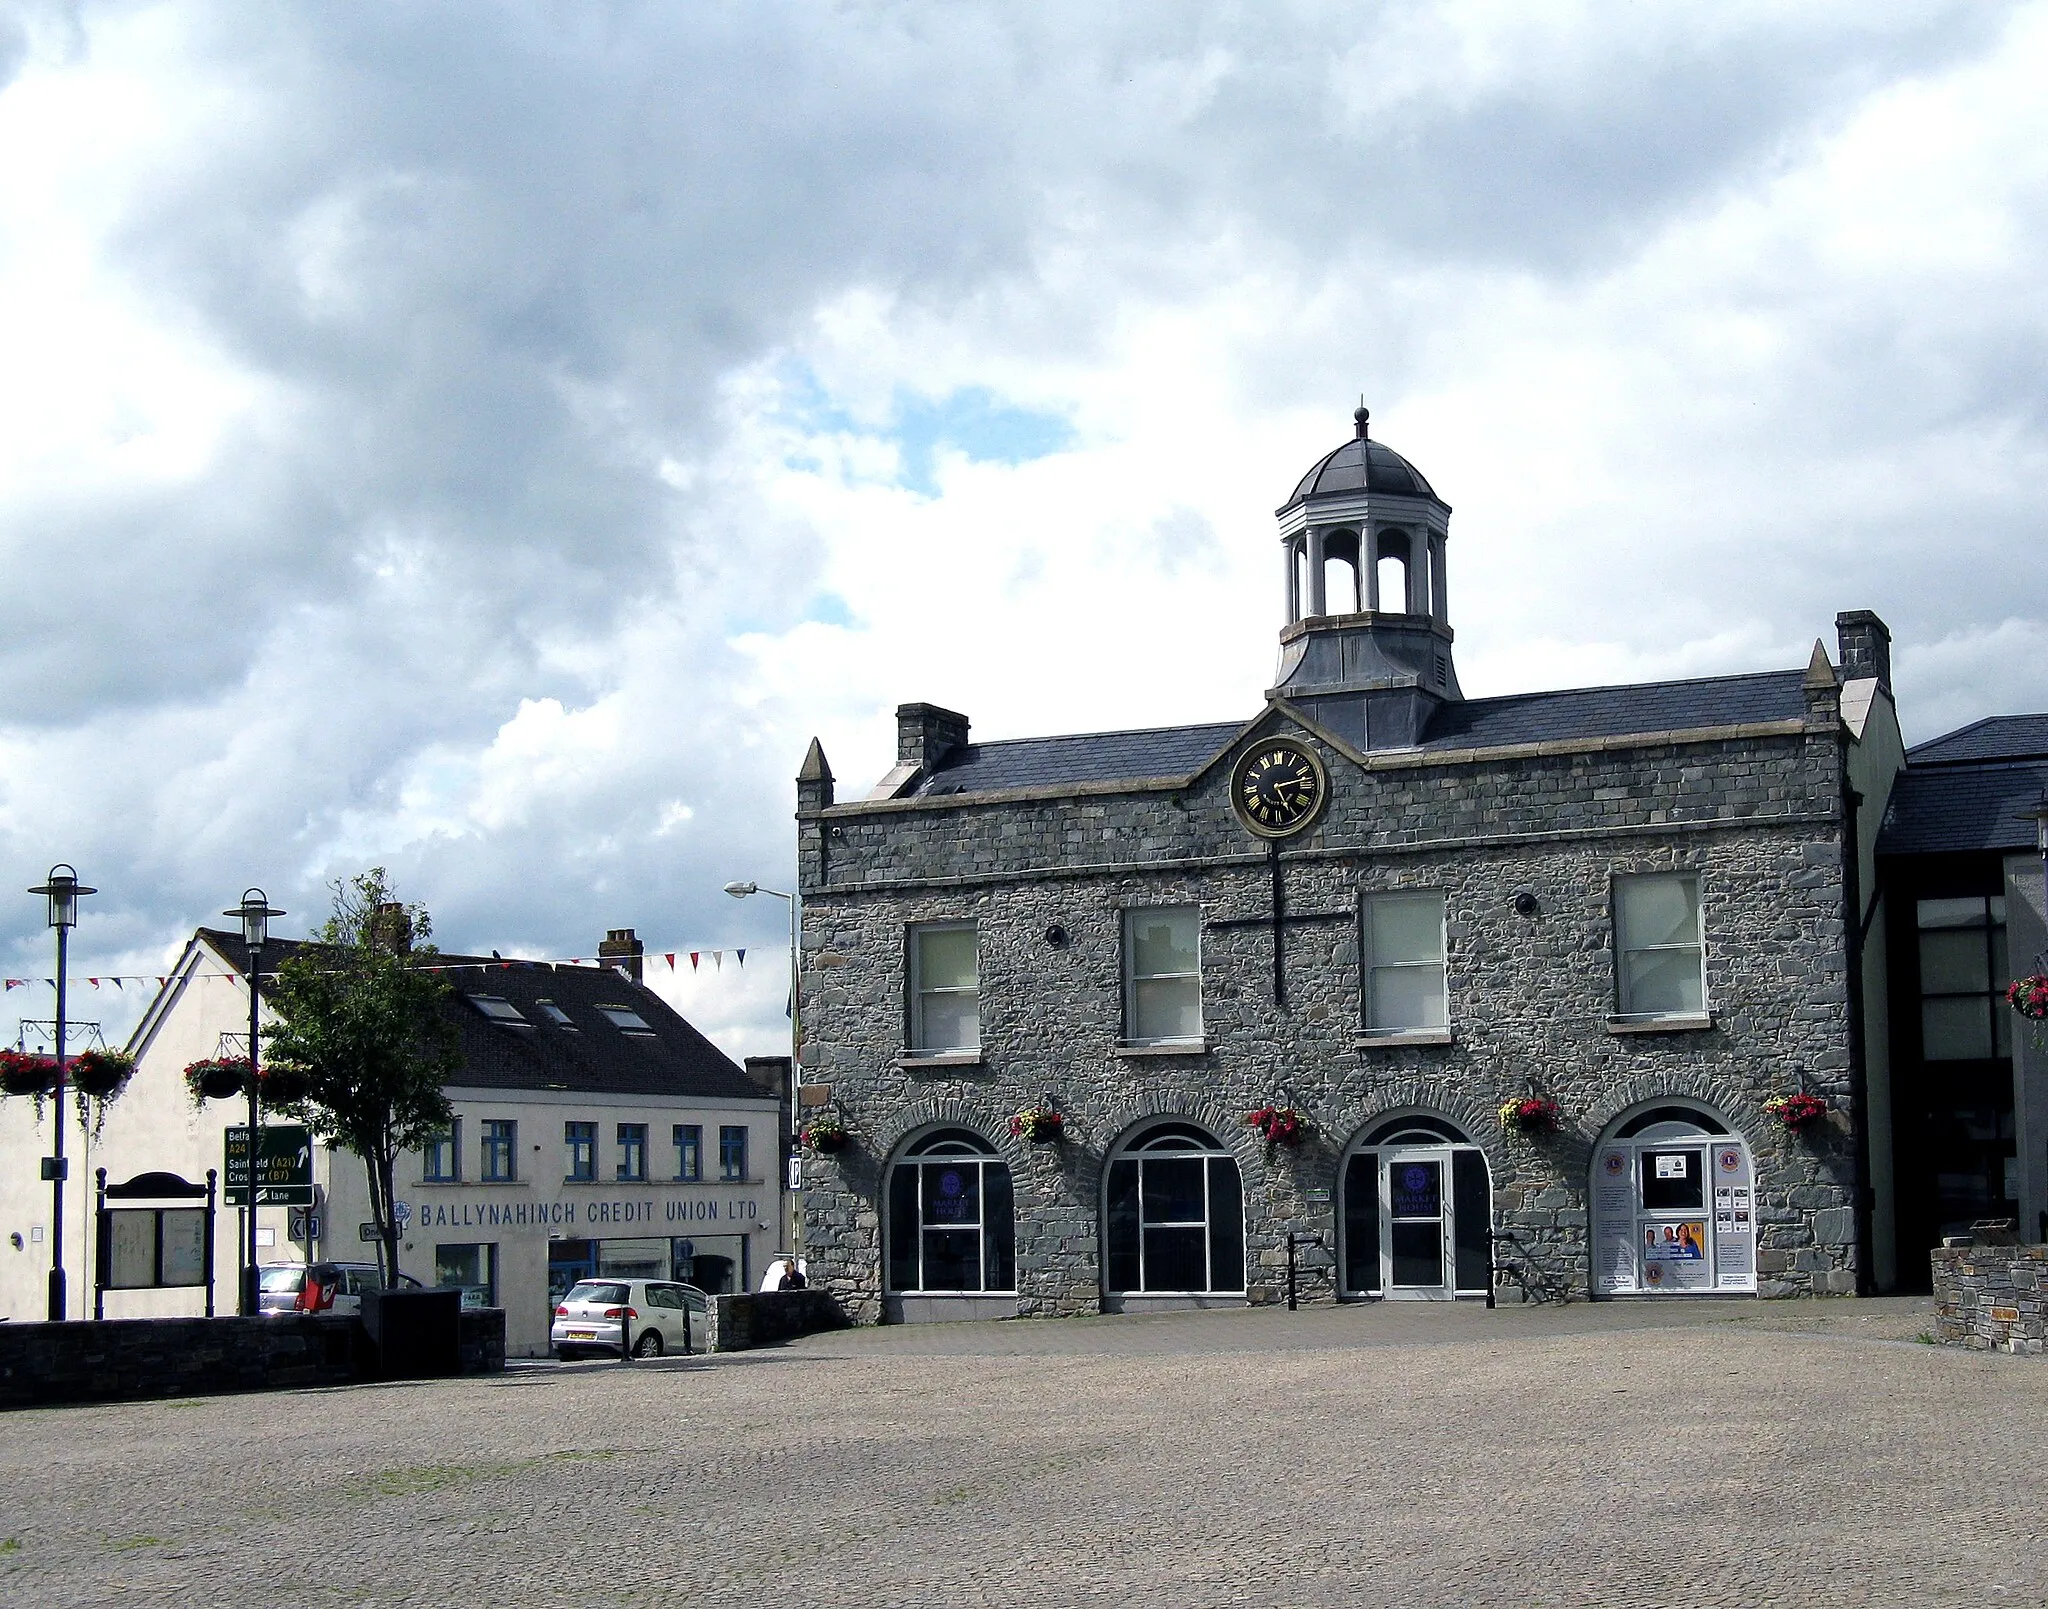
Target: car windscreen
x=591 y=1290
x=283 y=1279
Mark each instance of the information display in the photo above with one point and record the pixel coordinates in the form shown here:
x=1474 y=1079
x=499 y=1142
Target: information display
x=1673 y=1214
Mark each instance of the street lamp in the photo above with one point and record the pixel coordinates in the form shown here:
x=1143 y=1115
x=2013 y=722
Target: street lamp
x=63 y=890
x=796 y=1002
x=255 y=914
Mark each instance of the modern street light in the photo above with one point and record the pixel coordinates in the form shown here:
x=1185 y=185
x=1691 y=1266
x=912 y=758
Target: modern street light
x=63 y=891
x=255 y=914
x=796 y=1009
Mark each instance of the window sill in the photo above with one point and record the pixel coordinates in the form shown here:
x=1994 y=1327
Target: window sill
x=1163 y=1047
x=912 y=1060
x=1685 y=1022
x=1393 y=1038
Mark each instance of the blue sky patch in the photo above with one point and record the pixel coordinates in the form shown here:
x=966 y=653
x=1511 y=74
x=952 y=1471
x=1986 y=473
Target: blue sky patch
x=972 y=421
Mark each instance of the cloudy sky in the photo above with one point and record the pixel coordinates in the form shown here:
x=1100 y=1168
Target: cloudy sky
x=490 y=441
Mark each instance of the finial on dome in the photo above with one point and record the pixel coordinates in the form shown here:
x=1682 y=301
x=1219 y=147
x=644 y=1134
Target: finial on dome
x=1360 y=419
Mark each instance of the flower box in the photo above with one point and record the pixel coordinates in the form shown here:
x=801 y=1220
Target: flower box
x=1278 y=1125
x=25 y=1073
x=1797 y=1111
x=823 y=1134
x=218 y=1079
x=1041 y=1124
x=1530 y=1114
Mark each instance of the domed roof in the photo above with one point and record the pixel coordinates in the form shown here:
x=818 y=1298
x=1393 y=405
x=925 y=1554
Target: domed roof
x=1361 y=465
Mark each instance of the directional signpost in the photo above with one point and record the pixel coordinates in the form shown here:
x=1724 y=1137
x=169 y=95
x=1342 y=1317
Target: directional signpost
x=285 y=1173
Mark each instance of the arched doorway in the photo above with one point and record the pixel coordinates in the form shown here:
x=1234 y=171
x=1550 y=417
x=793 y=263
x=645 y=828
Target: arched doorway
x=1417 y=1213
x=950 y=1230
x=1674 y=1204
x=1172 y=1221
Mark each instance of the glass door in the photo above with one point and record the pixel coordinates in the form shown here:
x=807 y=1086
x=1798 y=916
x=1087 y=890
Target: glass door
x=1416 y=1223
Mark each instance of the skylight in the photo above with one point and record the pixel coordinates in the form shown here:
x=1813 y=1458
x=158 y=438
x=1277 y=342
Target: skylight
x=627 y=1018
x=497 y=1008
x=554 y=1014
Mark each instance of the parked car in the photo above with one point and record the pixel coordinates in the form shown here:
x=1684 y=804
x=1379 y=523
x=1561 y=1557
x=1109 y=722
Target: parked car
x=334 y=1287
x=598 y=1314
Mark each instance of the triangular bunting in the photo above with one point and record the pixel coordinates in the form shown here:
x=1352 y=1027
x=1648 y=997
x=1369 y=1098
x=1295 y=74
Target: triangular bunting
x=718 y=959
x=693 y=960
x=16 y=983
x=743 y=957
x=671 y=958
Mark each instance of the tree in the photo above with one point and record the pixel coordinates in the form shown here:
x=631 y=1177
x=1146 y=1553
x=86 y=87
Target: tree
x=361 y=1012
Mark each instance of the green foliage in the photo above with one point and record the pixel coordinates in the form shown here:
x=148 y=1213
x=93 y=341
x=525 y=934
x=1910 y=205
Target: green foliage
x=360 y=1012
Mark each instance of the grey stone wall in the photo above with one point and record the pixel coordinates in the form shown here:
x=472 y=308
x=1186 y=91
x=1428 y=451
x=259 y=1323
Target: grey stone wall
x=1992 y=1298
x=762 y=1318
x=1756 y=817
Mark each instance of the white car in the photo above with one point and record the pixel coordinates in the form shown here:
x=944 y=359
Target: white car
x=340 y=1287
x=659 y=1315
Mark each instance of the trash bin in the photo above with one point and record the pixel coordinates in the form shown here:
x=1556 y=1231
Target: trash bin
x=417 y=1334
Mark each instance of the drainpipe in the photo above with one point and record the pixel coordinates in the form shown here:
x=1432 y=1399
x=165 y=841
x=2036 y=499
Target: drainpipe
x=1859 y=1076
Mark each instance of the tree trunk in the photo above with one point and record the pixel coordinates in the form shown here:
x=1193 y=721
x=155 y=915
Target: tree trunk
x=387 y=1166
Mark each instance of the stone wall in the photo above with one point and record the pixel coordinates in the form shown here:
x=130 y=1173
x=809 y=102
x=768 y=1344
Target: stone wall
x=1756 y=817
x=128 y=1359
x=1991 y=1298
x=763 y=1318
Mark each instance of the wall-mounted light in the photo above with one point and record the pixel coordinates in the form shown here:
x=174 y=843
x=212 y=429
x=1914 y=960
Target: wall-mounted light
x=1056 y=936
x=1526 y=903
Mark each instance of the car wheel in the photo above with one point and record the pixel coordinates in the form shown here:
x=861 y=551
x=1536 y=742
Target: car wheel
x=649 y=1344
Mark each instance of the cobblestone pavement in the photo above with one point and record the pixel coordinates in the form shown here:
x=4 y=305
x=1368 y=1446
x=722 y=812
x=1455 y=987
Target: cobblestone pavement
x=1724 y=1453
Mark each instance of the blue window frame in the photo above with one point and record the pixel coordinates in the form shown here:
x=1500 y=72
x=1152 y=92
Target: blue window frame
x=689 y=1139
x=580 y=1141
x=732 y=1151
x=501 y=1150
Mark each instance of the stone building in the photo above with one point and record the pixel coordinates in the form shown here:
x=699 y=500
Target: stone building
x=1375 y=906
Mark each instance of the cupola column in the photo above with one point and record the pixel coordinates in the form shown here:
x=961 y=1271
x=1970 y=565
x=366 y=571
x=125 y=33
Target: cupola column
x=1439 y=606
x=1418 y=572
x=1315 y=571
x=1369 y=556
x=1290 y=551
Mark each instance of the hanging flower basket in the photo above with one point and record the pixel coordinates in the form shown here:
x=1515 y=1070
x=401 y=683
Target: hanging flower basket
x=23 y=1072
x=824 y=1134
x=1278 y=1125
x=1043 y=1125
x=101 y=1074
x=217 y=1079
x=282 y=1083
x=1797 y=1111
x=1530 y=1114
x=2029 y=996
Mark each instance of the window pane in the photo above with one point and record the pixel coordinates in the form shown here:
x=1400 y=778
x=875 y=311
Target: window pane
x=1673 y=1180
x=946 y=958
x=1951 y=912
x=1408 y=997
x=1168 y=1008
x=952 y=1259
x=2001 y=967
x=1226 y=1226
x=1418 y=1248
x=999 y=1230
x=952 y=1194
x=1407 y=927
x=951 y=1022
x=1662 y=981
x=903 y=1229
x=1954 y=962
x=1415 y=1189
x=1956 y=1030
x=1658 y=910
x=1362 y=1223
x=1173 y=1191
x=1472 y=1200
x=1120 y=1226
x=1163 y=942
x=1174 y=1260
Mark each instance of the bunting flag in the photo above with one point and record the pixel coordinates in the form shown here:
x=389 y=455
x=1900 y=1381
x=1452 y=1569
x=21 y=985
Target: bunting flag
x=743 y=956
x=671 y=960
x=718 y=959
x=16 y=983
x=693 y=960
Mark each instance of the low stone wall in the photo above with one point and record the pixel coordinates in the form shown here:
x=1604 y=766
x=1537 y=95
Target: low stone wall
x=762 y=1318
x=132 y=1359
x=1992 y=1298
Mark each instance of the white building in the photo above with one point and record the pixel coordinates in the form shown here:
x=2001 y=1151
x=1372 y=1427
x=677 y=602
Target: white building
x=595 y=1131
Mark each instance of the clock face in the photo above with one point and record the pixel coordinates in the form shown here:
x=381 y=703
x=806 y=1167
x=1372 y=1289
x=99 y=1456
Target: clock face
x=1278 y=788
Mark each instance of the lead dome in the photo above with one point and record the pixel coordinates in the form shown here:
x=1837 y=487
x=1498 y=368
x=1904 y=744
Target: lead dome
x=1361 y=465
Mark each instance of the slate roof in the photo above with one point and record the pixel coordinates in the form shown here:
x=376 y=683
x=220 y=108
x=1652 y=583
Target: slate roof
x=1162 y=753
x=1361 y=465
x=1949 y=809
x=594 y=1055
x=1996 y=737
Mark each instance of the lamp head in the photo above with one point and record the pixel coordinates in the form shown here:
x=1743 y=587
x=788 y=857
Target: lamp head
x=255 y=914
x=63 y=891
x=742 y=890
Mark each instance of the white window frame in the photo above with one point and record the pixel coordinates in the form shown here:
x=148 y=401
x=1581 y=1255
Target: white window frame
x=1623 y=1006
x=920 y=1044
x=1370 y=964
x=1132 y=1036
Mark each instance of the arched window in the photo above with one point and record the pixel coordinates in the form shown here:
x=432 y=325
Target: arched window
x=952 y=1226
x=1173 y=1214
x=1674 y=1204
x=1418 y=1213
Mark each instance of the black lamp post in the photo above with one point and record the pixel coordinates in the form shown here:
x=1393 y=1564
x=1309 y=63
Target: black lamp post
x=740 y=890
x=63 y=890
x=255 y=914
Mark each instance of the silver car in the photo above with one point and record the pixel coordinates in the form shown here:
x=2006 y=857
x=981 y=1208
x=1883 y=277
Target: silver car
x=600 y=1315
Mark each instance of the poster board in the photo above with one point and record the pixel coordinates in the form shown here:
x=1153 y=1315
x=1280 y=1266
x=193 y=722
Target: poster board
x=1614 y=1213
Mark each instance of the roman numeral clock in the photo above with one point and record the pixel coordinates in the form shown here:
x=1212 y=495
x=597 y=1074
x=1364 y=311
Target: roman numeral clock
x=1278 y=788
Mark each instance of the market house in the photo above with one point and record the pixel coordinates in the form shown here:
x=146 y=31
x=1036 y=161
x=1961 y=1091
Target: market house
x=1501 y=993
x=595 y=1132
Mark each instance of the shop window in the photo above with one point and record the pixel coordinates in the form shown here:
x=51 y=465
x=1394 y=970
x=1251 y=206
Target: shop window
x=1403 y=945
x=471 y=1269
x=1174 y=1214
x=1660 y=968
x=689 y=1138
x=945 y=988
x=443 y=1159
x=1963 y=977
x=633 y=1151
x=579 y=1141
x=1163 y=974
x=501 y=1150
x=732 y=1152
x=951 y=1223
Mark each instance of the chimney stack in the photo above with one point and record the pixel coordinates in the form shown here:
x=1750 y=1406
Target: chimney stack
x=391 y=928
x=621 y=949
x=925 y=734
x=1866 y=644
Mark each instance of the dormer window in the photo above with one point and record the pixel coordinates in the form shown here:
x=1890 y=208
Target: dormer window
x=499 y=1009
x=555 y=1014
x=627 y=1018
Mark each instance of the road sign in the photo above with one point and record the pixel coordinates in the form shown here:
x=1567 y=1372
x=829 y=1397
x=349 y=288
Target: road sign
x=302 y=1223
x=285 y=1173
